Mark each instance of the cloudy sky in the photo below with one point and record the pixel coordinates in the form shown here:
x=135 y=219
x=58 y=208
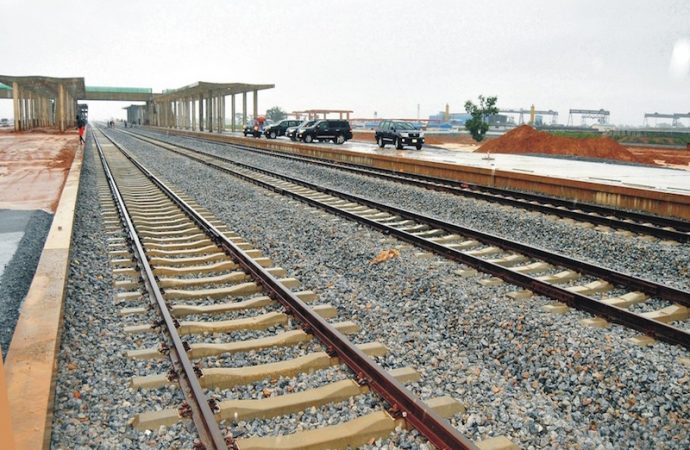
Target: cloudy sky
x=383 y=56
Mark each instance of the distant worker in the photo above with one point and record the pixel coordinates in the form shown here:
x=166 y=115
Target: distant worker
x=81 y=124
x=125 y=124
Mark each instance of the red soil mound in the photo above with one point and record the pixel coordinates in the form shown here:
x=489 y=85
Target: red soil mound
x=525 y=139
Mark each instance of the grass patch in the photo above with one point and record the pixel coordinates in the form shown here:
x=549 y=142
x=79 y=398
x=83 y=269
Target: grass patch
x=576 y=134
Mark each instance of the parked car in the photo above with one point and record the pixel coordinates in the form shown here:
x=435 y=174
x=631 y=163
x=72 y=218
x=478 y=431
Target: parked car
x=292 y=131
x=279 y=129
x=4 y=122
x=399 y=134
x=337 y=131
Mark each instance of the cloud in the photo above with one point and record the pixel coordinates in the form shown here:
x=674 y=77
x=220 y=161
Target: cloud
x=680 y=59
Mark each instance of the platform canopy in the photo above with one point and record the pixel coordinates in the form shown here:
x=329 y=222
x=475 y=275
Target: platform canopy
x=46 y=86
x=44 y=101
x=203 y=87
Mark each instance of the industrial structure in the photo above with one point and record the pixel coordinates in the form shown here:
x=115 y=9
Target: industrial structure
x=522 y=111
x=52 y=102
x=312 y=114
x=675 y=118
x=600 y=115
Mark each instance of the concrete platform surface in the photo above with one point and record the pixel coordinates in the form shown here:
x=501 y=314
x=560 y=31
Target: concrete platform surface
x=645 y=177
x=33 y=168
x=12 y=225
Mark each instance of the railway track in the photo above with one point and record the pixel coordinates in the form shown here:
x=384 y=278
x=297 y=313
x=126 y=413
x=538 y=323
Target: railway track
x=639 y=223
x=174 y=261
x=588 y=287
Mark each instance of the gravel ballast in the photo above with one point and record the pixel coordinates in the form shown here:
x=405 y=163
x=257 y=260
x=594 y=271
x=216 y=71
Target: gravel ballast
x=543 y=380
x=19 y=272
x=93 y=400
x=662 y=262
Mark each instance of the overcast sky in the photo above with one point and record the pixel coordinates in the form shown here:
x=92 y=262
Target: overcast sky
x=383 y=56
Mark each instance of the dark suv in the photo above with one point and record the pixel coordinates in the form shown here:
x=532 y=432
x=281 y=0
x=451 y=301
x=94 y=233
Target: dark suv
x=337 y=131
x=278 y=129
x=399 y=133
x=292 y=131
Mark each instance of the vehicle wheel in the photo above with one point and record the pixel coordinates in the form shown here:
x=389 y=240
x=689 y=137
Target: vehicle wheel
x=379 y=141
x=340 y=139
x=272 y=134
x=398 y=143
x=308 y=139
x=419 y=146
x=293 y=139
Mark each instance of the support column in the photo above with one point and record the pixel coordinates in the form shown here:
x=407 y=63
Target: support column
x=244 y=108
x=193 y=115
x=15 y=104
x=60 y=106
x=201 y=112
x=188 y=114
x=221 y=127
x=256 y=104
x=232 y=113
x=209 y=112
x=218 y=113
x=176 y=113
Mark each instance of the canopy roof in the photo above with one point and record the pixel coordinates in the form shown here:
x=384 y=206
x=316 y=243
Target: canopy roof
x=203 y=87
x=46 y=86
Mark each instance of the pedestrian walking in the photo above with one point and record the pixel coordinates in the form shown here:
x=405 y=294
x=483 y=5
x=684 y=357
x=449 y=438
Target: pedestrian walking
x=81 y=123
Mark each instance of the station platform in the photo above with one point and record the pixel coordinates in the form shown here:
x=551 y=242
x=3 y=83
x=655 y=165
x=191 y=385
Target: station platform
x=12 y=226
x=38 y=193
x=675 y=179
x=663 y=191
x=33 y=168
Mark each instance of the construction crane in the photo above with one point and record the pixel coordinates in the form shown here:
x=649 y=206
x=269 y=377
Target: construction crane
x=601 y=115
x=675 y=117
x=522 y=112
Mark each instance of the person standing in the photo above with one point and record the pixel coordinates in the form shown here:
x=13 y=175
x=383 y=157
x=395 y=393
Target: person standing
x=81 y=123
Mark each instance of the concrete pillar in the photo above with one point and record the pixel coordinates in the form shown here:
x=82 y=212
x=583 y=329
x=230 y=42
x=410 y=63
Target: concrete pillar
x=218 y=113
x=256 y=104
x=60 y=107
x=201 y=112
x=188 y=114
x=347 y=115
x=41 y=101
x=221 y=127
x=209 y=112
x=22 y=113
x=15 y=104
x=244 y=108
x=232 y=113
x=36 y=111
x=193 y=115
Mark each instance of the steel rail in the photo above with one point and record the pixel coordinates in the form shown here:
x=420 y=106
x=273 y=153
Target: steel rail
x=429 y=423
x=560 y=207
x=204 y=419
x=652 y=327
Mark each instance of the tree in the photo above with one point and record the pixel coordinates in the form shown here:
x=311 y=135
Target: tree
x=478 y=125
x=275 y=114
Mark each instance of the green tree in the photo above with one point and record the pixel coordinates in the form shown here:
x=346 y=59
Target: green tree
x=276 y=113
x=478 y=125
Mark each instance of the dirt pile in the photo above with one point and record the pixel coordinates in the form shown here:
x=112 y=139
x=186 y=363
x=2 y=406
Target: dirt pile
x=525 y=139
